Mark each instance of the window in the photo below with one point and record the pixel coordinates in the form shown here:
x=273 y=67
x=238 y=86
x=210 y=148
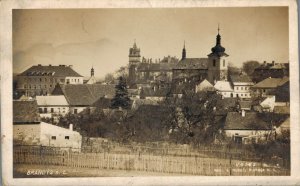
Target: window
x=45 y=86
x=40 y=79
x=223 y=62
x=40 y=110
x=237 y=88
x=45 y=110
x=241 y=94
x=214 y=62
x=25 y=86
x=75 y=111
x=53 y=137
x=67 y=137
x=241 y=88
x=52 y=110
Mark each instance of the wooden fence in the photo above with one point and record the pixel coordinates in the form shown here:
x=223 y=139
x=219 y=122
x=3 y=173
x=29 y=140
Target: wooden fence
x=190 y=165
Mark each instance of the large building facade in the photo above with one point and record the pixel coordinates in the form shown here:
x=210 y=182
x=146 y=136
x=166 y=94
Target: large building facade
x=41 y=80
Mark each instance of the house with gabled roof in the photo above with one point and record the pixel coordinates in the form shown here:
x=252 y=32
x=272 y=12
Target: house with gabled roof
x=80 y=97
x=52 y=106
x=28 y=129
x=241 y=85
x=246 y=127
x=268 y=86
x=224 y=88
x=204 y=86
x=41 y=80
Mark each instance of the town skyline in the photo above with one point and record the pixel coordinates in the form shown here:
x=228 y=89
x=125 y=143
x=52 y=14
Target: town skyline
x=96 y=42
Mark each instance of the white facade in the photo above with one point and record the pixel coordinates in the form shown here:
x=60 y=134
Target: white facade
x=268 y=104
x=248 y=136
x=224 y=88
x=242 y=89
x=74 y=80
x=54 y=105
x=47 y=135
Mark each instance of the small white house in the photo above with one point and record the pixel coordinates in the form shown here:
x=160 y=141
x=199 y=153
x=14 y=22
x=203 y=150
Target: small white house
x=47 y=135
x=224 y=88
x=204 y=86
x=241 y=85
x=53 y=105
x=29 y=130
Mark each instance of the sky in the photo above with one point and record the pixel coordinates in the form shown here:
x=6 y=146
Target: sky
x=102 y=37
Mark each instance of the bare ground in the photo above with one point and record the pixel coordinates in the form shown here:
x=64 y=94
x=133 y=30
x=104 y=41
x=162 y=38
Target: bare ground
x=38 y=171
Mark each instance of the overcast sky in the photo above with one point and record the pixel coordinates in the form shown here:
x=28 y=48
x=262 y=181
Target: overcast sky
x=102 y=37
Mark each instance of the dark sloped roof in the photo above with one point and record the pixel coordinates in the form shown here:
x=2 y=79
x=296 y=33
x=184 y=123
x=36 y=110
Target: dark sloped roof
x=240 y=78
x=155 y=67
x=58 y=71
x=161 y=92
x=102 y=103
x=25 y=112
x=227 y=103
x=251 y=121
x=271 y=82
x=192 y=63
x=84 y=94
x=245 y=104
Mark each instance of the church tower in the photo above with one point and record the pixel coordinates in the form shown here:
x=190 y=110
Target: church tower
x=217 y=62
x=134 y=60
x=92 y=79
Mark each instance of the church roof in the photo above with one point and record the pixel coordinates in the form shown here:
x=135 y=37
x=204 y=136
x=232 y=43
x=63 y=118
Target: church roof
x=58 y=71
x=92 y=80
x=155 y=67
x=192 y=63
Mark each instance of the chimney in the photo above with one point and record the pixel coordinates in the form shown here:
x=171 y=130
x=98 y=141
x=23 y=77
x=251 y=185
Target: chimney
x=243 y=113
x=265 y=62
x=71 y=126
x=273 y=63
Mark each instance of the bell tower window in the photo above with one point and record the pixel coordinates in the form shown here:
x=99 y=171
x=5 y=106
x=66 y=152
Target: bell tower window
x=214 y=62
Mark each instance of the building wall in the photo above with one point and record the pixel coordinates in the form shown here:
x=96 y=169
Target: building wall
x=47 y=135
x=55 y=136
x=217 y=69
x=248 y=136
x=27 y=133
x=42 y=85
x=60 y=110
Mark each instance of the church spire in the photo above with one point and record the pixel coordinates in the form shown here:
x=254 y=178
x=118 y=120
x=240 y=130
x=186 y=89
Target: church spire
x=218 y=41
x=92 y=71
x=183 y=52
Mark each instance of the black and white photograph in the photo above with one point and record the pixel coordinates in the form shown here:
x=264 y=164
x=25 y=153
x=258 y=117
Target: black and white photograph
x=152 y=92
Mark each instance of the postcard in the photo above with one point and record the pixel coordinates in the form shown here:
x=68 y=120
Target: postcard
x=150 y=92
